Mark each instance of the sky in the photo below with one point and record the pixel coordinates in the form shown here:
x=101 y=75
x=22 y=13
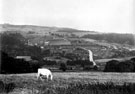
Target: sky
x=114 y=16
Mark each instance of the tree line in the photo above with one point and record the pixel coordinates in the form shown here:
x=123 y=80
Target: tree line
x=113 y=38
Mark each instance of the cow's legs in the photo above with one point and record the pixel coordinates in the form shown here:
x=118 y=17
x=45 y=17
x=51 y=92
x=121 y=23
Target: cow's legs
x=51 y=77
x=38 y=75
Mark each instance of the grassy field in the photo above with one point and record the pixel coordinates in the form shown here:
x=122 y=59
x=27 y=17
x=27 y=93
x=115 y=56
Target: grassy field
x=28 y=83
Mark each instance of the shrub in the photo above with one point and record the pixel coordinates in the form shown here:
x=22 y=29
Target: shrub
x=111 y=66
x=63 y=66
x=126 y=66
x=89 y=67
x=69 y=68
x=133 y=59
x=95 y=67
x=123 y=66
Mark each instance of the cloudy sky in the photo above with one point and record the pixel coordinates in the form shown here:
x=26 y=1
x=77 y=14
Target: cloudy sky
x=97 y=15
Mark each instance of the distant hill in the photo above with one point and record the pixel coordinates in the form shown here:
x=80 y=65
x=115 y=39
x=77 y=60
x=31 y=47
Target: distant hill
x=31 y=29
x=113 y=38
x=39 y=30
x=19 y=40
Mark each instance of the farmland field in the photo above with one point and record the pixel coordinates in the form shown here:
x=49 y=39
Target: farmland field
x=28 y=83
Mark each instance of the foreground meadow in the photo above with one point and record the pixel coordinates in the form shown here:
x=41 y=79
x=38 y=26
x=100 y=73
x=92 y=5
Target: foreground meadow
x=70 y=83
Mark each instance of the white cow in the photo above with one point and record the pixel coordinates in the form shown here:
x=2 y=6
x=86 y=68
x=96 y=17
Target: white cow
x=44 y=73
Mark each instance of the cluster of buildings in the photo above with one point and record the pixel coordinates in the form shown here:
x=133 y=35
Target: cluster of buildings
x=51 y=42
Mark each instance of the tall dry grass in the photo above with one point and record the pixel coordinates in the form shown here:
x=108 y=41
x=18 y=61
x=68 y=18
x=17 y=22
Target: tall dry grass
x=26 y=85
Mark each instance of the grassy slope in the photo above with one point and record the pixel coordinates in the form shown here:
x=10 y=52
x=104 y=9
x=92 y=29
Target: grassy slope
x=89 y=76
x=27 y=82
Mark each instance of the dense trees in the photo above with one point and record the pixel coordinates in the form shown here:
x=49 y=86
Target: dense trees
x=111 y=66
x=11 y=65
x=14 y=45
x=113 y=38
x=123 y=66
x=12 y=39
x=79 y=62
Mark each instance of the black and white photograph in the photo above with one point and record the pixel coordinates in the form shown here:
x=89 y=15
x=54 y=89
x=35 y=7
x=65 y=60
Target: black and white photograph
x=67 y=46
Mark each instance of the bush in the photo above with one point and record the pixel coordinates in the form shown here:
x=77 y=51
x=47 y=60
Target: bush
x=111 y=66
x=95 y=67
x=69 y=68
x=123 y=66
x=89 y=67
x=63 y=66
x=126 y=66
x=133 y=59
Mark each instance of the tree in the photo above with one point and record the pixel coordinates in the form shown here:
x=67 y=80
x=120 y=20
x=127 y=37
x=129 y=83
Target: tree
x=63 y=67
x=111 y=66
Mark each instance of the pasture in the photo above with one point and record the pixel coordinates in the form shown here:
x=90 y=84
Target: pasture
x=64 y=82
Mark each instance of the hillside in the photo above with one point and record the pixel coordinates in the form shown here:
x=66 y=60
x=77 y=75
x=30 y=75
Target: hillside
x=70 y=83
x=40 y=42
x=39 y=30
x=113 y=38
